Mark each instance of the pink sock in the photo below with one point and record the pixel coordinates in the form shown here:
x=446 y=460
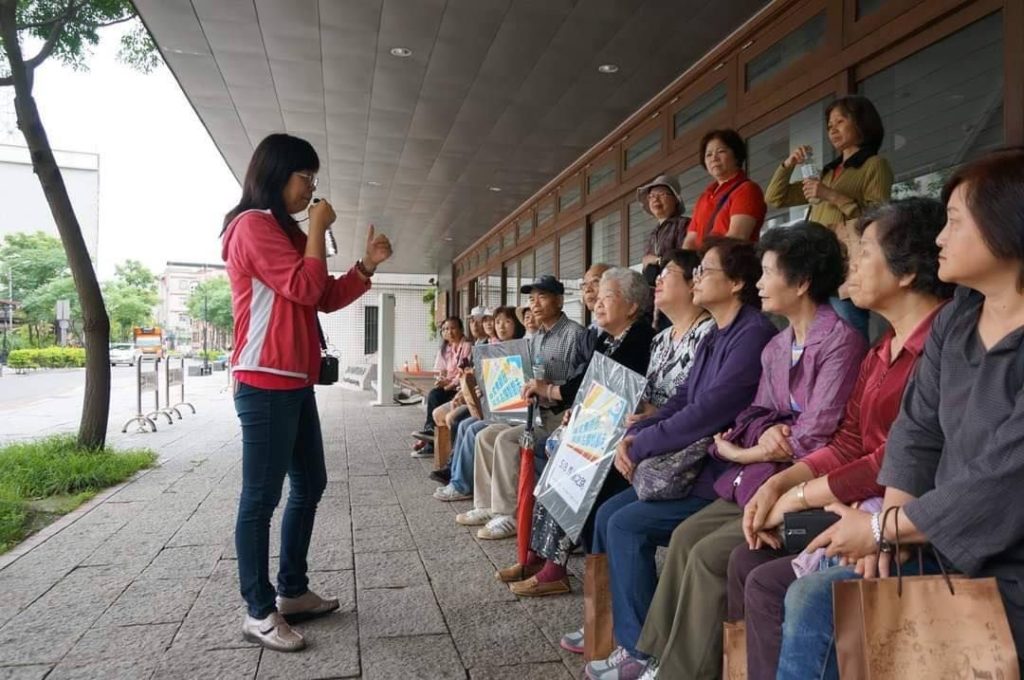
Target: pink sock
x=550 y=573
x=532 y=558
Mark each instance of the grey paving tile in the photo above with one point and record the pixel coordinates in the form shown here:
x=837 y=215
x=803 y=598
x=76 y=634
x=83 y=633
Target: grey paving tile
x=395 y=612
x=383 y=539
x=497 y=634
x=130 y=643
x=216 y=664
x=34 y=672
x=390 y=570
x=535 y=671
x=176 y=562
x=153 y=601
x=339 y=584
x=421 y=657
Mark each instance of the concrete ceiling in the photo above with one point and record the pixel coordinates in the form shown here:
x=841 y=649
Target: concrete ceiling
x=496 y=93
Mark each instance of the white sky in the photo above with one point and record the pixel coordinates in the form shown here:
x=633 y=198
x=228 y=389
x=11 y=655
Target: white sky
x=164 y=188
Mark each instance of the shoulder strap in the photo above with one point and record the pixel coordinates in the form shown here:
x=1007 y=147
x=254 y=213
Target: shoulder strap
x=718 y=208
x=320 y=330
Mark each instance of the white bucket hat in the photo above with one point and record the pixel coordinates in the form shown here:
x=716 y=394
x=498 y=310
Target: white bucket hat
x=671 y=183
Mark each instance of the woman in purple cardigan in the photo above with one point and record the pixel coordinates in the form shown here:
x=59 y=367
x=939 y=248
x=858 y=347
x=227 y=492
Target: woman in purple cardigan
x=808 y=371
x=721 y=383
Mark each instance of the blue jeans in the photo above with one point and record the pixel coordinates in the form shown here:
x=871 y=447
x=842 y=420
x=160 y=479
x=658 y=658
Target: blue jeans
x=630 y=531
x=808 y=638
x=852 y=314
x=280 y=436
x=462 y=454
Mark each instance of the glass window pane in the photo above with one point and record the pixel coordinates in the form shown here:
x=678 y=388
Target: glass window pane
x=699 y=109
x=604 y=238
x=691 y=185
x=545 y=212
x=640 y=226
x=512 y=284
x=868 y=7
x=768 y=148
x=508 y=239
x=804 y=40
x=493 y=289
x=525 y=226
x=643 y=148
x=601 y=176
x=942 y=106
x=570 y=272
x=525 y=274
x=568 y=197
x=545 y=259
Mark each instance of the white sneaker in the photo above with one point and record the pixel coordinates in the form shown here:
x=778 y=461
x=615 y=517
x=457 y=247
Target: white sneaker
x=474 y=517
x=500 y=527
x=307 y=606
x=450 y=493
x=273 y=633
x=651 y=673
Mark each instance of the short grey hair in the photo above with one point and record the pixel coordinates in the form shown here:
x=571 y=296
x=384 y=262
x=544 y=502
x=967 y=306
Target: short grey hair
x=632 y=286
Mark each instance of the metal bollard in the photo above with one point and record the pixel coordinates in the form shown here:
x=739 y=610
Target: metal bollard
x=174 y=377
x=143 y=381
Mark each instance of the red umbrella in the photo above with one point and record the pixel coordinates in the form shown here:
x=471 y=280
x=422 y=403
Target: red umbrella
x=527 y=481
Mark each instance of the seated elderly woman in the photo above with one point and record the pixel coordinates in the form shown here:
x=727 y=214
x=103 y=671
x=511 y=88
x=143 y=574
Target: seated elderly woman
x=807 y=373
x=895 y=275
x=455 y=351
x=458 y=476
x=721 y=383
x=620 y=311
x=953 y=467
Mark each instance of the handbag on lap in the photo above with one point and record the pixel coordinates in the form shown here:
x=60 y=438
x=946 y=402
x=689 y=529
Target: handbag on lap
x=669 y=477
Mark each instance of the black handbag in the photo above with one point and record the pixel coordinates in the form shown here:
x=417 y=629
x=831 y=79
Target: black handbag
x=328 y=362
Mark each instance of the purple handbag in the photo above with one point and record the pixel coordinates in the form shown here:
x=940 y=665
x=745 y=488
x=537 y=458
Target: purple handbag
x=739 y=482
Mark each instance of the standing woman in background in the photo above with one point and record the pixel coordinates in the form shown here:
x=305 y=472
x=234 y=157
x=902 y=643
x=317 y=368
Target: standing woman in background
x=855 y=180
x=279 y=281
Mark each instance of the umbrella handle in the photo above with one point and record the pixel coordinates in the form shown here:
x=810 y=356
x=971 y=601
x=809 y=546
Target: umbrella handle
x=533 y=403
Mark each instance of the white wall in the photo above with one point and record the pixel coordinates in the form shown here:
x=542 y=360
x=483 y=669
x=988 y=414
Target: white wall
x=344 y=328
x=24 y=206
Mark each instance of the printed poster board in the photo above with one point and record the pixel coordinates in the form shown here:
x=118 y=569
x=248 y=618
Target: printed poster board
x=573 y=478
x=501 y=370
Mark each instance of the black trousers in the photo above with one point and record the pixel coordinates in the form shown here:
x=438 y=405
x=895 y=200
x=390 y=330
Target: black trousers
x=435 y=398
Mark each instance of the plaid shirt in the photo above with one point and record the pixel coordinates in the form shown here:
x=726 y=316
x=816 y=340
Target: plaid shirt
x=557 y=349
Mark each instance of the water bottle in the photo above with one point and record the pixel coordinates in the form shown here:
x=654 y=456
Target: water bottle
x=809 y=170
x=538 y=369
x=554 y=439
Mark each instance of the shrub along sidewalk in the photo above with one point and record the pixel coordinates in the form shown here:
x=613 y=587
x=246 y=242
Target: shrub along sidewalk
x=43 y=479
x=47 y=357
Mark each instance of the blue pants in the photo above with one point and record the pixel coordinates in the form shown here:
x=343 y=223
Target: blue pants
x=630 y=531
x=280 y=436
x=852 y=314
x=808 y=638
x=462 y=454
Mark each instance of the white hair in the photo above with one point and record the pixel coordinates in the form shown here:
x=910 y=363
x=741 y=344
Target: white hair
x=632 y=287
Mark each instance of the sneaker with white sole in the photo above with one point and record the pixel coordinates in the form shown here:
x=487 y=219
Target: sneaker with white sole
x=621 y=665
x=422 y=450
x=500 y=527
x=450 y=493
x=474 y=518
x=652 y=670
x=572 y=642
x=273 y=633
x=307 y=606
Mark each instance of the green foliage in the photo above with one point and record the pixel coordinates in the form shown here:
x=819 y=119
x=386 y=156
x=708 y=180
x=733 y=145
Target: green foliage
x=130 y=298
x=48 y=357
x=81 y=28
x=57 y=467
x=218 y=303
x=35 y=259
x=428 y=299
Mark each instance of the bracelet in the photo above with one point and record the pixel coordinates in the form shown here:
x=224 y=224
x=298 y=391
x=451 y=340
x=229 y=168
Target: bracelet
x=800 y=495
x=876 y=527
x=547 y=393
x=362 y=269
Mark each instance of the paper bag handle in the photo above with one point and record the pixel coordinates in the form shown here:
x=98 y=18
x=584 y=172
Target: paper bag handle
x=920 y=555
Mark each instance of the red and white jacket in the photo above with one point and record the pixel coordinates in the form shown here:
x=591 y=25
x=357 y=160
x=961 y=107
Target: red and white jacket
x=275 y=294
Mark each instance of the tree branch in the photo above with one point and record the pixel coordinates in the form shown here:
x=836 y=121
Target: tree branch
x=55 y=33
x=116 y=21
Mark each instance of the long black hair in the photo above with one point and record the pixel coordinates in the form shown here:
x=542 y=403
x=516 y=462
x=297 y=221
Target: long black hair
x=272 y=164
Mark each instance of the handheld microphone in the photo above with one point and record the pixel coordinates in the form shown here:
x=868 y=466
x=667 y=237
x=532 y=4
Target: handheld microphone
x=332 y=245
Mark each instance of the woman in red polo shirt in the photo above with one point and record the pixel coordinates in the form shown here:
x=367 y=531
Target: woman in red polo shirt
x=732 y=205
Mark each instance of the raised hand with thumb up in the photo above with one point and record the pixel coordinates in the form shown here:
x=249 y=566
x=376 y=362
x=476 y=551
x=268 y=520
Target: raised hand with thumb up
x=378 y=249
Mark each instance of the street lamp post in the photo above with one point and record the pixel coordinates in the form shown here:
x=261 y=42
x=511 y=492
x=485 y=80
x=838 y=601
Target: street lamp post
x=10 y=314
x=206 y=358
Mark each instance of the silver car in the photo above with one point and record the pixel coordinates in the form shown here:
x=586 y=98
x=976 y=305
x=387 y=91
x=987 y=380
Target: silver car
x=122 y=353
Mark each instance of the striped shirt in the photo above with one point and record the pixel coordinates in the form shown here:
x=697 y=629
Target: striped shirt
x=556 y=348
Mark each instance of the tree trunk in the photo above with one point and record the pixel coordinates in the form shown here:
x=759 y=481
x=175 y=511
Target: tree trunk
x=92 y=430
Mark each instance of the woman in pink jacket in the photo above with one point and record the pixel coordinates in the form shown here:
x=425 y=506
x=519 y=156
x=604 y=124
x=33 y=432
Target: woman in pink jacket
x=278 y=282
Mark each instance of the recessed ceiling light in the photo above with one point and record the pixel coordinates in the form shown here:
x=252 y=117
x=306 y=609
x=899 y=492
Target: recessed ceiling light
x=494 y=189
x=373 y=183
x=448 y=238
x=401 y=52
x=608 y=68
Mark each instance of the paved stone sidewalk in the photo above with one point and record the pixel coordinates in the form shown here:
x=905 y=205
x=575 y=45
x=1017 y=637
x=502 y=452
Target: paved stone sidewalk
x=144 y=585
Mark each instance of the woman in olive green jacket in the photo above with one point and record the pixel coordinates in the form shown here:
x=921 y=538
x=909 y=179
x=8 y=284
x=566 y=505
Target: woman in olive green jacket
x=855 y=180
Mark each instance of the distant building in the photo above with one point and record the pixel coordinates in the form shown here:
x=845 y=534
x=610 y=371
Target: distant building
x=176 y=284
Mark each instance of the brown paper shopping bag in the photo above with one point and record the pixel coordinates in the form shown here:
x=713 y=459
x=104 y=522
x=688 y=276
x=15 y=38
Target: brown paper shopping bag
x=734 y=650
x=907 y=627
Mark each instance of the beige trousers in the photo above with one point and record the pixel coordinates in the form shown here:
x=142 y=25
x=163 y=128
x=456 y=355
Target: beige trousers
x=496 y=464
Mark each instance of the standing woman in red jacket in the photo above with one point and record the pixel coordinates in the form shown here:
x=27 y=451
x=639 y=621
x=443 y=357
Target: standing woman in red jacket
x=278 y=282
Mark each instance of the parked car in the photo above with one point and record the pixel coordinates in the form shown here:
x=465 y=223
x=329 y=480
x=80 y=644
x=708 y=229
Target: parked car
x=122 y=353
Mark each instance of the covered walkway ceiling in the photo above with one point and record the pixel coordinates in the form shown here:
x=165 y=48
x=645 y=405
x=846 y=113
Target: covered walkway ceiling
x=495 y=93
